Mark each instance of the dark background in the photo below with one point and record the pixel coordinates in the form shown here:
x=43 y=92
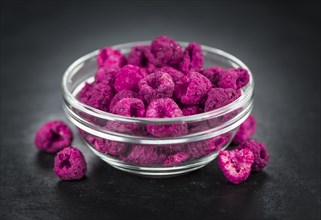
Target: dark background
x=280 y=42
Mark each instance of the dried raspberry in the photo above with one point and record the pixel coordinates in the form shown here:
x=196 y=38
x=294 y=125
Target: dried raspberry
x=212 y=74
x=195 y=127
x=179 y=80
x=156 y=85
x=53 y=136
x=144 y=155
x=192 y=110
x=97 y=95
x=128 y=77
x=197 y=87
x=131 y=107
x=193 y=59
x=112 y=148
x=165 y=51
x=123 y=94
x=171 y=149
x=105 y=76
x=111 y=59
x=218 y=97
x=232 y=78
x=165 y=108
x=70 y=164
x=201 y=148
x=139 y=57
x=246 y=130
x=243 y=78
x=88 y=137
x=236 y=164
x=175 y=159
x=261 y=156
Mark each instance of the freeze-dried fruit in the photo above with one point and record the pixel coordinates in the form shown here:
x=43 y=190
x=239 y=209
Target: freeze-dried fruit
x=218 y=97
x=179 y=80
x=196 y=88
x=261 y=156
x=123 y=94
x=128 y=78
x=53 y=136
x=156 y=85
x=192 y=110
x=232 y=78
x=144 y=155
x=70 y=164
x=140 y=56
x=165 y=108
x=243 y=77
x=236 y=164
x=212 y=74
x=175 y=159
x=193 y=59
x=110 y=147
x=111 y=59
x=97 y=95
x=246 y=130
x=131 y=107
x=105 y=76
x=165 y=51
x=201 y=148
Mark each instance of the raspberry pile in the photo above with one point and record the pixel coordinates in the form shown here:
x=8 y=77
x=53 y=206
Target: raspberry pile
x=163 y=80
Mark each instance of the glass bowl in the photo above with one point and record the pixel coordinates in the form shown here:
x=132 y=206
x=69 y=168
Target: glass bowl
x=124 y=142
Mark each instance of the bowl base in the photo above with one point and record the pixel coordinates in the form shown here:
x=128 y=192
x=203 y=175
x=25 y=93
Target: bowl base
x=155 y=172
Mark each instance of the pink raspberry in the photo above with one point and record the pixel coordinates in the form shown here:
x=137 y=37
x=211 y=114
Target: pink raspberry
x=236 y=164
x=218 y=97
x=165 y=51
x=111 y=59
x=232 y=78
x=165 y=108
x=105 y=76
x=171 y=149
x=128 y=78
x=175 y=159
x=131 y=107
x=112 y=148
x=212 y=74
x=156 y=85
x=192 y=110
x=97 y=95
x=70 y=164
x=201 y=148
x=178 y=77
x=144 y=155
x=261 y=156
x=246 y=130
x=243 y=77
x=193 y=59
x=53 y=136
x=195 y=127
x=196 y=88
x=123 y=94
x=139 y=57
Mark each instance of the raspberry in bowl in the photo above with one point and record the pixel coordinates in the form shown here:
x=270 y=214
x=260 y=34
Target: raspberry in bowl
x=159 y=108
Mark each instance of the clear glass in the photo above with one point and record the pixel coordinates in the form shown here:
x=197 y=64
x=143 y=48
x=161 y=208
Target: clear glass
x=125 y=143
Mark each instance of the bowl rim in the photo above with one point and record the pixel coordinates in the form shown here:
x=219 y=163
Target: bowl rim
x=70 y=98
